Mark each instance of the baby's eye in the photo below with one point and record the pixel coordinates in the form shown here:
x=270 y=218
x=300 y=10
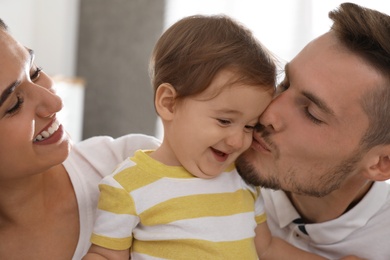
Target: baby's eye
x=249 y=128
x=36 y=74
x=223 y=122
x=282 y=86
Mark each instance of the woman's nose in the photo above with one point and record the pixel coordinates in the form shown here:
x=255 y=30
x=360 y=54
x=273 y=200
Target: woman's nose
x=48 y=103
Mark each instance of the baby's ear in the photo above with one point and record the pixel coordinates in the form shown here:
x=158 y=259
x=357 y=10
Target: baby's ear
x=379 y=163
x=164 y=101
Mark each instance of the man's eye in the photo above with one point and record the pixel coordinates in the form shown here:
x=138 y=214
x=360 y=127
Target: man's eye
x=311 y=117
x=36 y=74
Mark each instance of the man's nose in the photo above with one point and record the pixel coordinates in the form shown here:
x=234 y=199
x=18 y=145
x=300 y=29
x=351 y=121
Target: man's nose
x=272 y=117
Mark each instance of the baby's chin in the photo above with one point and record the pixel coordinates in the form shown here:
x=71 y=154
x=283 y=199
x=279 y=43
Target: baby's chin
x=209 y=174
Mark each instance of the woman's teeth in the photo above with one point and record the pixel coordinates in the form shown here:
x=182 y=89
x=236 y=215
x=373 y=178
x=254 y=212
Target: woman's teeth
x=47 y=133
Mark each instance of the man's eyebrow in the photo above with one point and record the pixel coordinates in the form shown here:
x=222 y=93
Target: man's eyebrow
x=11 y=88
x=313 y=98
x=318 y=102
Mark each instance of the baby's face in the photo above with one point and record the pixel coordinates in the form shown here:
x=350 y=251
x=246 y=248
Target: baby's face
x=211 y=129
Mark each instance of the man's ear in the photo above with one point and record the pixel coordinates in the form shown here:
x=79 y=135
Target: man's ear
x=379 y=163
x=164 y=101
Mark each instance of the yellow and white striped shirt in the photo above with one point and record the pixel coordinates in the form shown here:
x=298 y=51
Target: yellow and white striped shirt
x=164 y=212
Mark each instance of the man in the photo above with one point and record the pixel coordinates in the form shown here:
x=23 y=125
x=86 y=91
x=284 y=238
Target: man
x=325 y=141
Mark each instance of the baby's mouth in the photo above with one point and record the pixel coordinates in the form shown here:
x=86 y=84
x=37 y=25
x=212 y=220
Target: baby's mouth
x=220 y=154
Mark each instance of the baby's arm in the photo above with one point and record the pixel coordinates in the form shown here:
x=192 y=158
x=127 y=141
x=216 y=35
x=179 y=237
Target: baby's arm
x=100 y=253
x=269 y=247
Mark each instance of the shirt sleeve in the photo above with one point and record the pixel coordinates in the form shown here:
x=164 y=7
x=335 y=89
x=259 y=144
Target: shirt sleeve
x=88 y=162
x=259 y=208
x=116 y=216
x=103 y=153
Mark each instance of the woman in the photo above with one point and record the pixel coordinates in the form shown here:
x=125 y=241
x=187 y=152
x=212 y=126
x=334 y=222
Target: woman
x=47 y=192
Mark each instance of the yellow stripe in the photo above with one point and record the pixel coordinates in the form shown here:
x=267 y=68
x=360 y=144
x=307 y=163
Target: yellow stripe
x=197 y=249
x=230 y=168
x=134 y=178
x=111 y=243
x=260 y=219
x=196 y=206
x=115 y=200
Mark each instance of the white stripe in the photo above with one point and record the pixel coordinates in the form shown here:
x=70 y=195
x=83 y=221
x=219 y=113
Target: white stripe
x=139 y=256
x=109 y=180
x=124 y=165
x=216 y=229
x=114 y=225
x=168 y=188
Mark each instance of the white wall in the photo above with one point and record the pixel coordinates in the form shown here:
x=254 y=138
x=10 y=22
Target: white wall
x=49 y=27
x=284 y=26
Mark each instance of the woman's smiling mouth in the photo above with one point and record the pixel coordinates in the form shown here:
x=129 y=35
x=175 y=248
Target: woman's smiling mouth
x=47 y=132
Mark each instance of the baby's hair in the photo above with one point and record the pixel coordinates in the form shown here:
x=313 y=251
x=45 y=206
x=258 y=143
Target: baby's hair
x=192 y=51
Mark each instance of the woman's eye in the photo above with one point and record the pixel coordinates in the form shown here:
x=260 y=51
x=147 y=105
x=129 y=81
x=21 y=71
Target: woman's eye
x=36 y=74
x=223 y=122
x=16 y=106
x=311 y=117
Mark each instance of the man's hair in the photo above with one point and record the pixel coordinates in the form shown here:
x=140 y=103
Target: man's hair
x=193 y=50
x=366 y=32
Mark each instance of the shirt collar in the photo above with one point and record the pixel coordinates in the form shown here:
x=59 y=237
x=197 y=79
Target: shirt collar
x=338 y=229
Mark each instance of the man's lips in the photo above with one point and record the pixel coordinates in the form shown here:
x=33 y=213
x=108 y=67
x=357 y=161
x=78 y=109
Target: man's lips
x=259 y=144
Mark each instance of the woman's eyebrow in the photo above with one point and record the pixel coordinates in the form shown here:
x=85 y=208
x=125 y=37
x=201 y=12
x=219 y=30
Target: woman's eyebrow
x=8 y=91
x=11 y=88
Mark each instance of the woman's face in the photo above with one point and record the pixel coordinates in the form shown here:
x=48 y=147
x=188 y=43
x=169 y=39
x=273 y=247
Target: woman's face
x=31 y=138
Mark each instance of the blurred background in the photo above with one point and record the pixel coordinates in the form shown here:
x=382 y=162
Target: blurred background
x=98 y=50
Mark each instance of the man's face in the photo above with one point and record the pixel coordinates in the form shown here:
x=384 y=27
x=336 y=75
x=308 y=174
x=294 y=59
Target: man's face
x=310 y=140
